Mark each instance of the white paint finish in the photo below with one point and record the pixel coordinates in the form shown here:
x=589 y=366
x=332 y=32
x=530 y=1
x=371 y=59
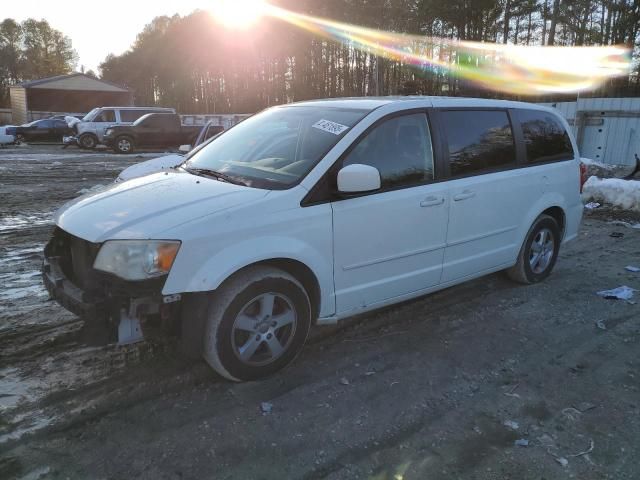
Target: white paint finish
x=387 y=244
x=147 y=206
x=155 y=165
x=485 y=213
x=365 y=252
x=358 y=178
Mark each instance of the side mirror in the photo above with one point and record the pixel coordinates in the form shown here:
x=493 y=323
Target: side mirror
x=184 y=148
x=358 y=178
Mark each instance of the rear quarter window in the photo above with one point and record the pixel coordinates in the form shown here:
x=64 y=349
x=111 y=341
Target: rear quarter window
x=479 y=141
x=131 y=115
x=545 y=138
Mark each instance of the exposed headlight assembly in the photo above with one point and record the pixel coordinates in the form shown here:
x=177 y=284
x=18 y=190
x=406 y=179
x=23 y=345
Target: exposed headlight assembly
x=137 y=259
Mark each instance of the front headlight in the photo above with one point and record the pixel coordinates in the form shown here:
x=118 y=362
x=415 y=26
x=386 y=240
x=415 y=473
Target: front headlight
x=137 y=259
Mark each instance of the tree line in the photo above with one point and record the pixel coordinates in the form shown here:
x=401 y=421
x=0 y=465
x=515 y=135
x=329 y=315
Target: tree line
x=194 y=64
x=31 y=50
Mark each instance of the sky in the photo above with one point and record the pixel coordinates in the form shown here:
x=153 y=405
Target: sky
x=97 y=29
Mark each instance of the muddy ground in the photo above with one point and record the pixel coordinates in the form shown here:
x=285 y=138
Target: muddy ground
x=441 y=387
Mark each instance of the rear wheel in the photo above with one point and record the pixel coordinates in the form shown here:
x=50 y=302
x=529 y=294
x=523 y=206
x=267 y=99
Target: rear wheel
x=88 y=141
x=19 y=138
x=539 y=252
x=257 y=323
x=123 y=145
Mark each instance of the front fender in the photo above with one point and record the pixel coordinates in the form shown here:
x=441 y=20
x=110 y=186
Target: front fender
x=217 y=268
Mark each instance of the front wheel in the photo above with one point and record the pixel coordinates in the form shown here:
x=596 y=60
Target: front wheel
x=257 y=323
x=539 y=252
x=88 y=141
x=123 y=145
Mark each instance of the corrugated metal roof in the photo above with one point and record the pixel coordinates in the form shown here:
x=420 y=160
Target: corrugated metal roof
x=74 y=81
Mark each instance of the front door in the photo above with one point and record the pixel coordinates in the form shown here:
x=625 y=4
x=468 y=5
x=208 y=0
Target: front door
x=391 y=243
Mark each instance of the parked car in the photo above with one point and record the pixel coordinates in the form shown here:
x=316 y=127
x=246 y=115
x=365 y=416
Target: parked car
x=89 y=131
x=317 y=211
x=165 y=162
x=154 y=130
x=6 y=139
x=44 y=130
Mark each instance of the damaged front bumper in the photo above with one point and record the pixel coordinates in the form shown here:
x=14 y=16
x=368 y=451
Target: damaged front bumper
x=98 y=297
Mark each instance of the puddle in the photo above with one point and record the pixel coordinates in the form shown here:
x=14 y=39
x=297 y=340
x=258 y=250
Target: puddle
x=21 y=285
x=14 y=223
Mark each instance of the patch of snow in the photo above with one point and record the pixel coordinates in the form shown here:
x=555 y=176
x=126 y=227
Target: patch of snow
x=614 y=191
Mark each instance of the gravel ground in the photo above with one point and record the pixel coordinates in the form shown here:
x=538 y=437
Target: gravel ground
x=441 y=387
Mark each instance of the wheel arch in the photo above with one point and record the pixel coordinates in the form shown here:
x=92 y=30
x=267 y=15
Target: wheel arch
x=559 y=215
x=299 y=271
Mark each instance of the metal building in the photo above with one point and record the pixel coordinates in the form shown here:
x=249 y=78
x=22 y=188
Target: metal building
x=75 y=93
x=606 y=129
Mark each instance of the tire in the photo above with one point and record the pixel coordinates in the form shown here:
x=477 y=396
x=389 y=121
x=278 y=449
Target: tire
x=123 y=145
x=88 y=141
x=242 y=338
x=20 y=138
x=543 y=237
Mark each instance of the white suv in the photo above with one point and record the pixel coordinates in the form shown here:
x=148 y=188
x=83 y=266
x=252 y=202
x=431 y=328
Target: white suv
x=316 y=211
x=90 y=130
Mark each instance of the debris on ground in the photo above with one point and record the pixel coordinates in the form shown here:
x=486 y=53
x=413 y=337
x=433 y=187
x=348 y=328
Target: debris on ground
x=511 y=424
x=521 y=442
x=584 y=406
x=622 y=223
x=588 y=450
x=344 y=381
x=601 y=325
x=562 y=461
x=631 y=268
x=591 y=205
x=266 y=407
x=616 y=234
x=620 y=293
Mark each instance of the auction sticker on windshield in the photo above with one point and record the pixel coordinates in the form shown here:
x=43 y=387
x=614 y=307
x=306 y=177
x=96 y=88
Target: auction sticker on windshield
x=329 y=126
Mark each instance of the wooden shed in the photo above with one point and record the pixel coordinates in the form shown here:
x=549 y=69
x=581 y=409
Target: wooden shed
x=75 y=93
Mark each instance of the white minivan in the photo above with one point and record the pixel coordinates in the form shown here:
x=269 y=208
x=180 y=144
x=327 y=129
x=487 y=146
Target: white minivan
x=316 y=211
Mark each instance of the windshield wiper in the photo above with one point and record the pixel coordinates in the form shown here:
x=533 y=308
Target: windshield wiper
x=215 y=174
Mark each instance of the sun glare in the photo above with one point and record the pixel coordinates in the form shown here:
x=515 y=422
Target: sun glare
x=239 y=14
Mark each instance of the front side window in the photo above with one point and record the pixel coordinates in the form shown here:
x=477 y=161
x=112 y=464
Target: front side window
x=106 y=116
x=400 y=148
x=276 y=148
x=544 y=136
x=479 y=141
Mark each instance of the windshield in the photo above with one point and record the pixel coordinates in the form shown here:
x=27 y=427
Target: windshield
x=89 y=116
x=276 y=148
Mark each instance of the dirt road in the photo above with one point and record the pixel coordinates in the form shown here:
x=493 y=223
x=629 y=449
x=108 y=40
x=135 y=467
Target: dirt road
x=441 y=387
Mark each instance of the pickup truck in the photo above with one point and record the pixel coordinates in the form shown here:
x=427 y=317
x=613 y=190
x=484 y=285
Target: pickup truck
x=153 y=130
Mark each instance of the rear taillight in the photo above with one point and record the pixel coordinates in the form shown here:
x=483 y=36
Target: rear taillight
x=583 y=175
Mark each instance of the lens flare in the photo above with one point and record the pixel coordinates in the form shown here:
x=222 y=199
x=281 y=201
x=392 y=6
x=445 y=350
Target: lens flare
x=515 y=69
x=239 y=14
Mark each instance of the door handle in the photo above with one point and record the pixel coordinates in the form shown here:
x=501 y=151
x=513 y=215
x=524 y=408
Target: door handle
x=432 y=201
x=464 y=195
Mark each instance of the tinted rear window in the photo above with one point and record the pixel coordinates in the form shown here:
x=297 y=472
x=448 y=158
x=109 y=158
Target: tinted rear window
x=131 y=115
x=544 y=136
x=478 y=140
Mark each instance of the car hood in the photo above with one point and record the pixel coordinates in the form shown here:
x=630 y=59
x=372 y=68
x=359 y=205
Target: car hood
x=150 y=166
x=144 y=207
